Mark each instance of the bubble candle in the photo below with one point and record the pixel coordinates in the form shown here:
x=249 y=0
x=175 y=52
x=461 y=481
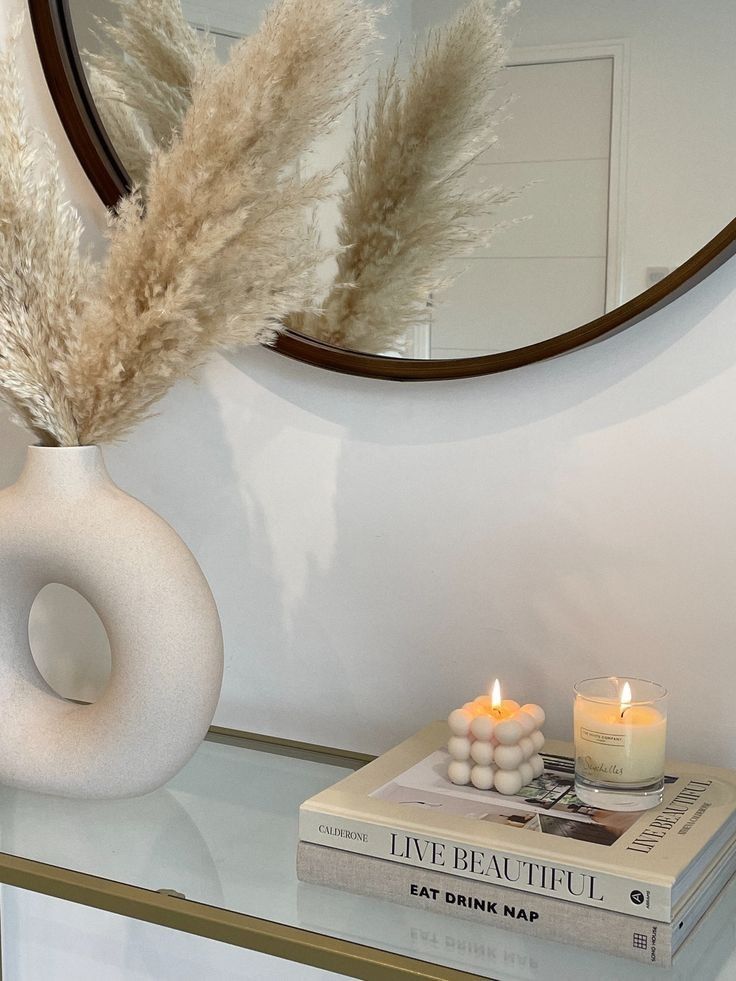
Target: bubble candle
x=495 y=743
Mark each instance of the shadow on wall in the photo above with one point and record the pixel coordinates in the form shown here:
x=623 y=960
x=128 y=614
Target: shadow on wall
x=233 y=480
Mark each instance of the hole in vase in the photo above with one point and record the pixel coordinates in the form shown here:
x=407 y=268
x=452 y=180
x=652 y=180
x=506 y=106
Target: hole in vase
x=69 y=643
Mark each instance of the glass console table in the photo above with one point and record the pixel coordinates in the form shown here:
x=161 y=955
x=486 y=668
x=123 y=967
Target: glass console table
x=213 y=854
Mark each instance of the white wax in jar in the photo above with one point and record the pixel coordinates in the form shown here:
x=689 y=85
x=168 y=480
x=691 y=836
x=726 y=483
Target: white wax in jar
x=619 y=746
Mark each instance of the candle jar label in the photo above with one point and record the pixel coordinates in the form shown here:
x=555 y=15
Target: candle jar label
x=602 y=738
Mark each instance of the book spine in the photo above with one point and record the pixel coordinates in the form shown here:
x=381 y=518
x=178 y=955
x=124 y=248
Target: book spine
x=488 y=905
x=599 y=890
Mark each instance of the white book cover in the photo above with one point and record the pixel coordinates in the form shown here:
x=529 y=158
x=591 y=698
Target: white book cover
x=544 y=840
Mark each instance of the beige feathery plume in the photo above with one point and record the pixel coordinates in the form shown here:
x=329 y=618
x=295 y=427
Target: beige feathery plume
x=128 y=136
x=150 y=58
x=222 y=250
x=42 y=278
x=408 y=206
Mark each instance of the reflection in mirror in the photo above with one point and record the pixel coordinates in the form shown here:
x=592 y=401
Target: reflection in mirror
x=611 y=163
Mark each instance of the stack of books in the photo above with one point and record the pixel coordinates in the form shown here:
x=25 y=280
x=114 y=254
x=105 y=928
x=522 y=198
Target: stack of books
x=633 y=884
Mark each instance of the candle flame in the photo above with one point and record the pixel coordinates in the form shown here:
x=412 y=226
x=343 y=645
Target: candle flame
x=496 y=695
x=625 y=697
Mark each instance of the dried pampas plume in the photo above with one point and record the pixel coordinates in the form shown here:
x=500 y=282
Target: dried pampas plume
x=222 y=250
x=218 y=256
x=43 y=280
x=408 y=206
x=148 y=63
x=127 y=133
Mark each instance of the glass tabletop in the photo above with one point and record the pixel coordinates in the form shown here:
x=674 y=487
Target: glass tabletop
x=223 y=833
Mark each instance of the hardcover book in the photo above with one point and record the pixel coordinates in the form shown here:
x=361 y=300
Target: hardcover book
x=402 y=808
x=488 y=905
x=516 y=954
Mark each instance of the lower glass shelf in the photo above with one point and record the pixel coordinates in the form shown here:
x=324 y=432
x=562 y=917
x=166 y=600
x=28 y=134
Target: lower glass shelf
x=213 y=853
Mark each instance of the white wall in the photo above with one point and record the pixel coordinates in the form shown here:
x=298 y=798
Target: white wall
x=379 y=551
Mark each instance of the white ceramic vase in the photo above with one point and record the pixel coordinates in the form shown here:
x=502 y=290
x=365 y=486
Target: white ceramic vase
x=65 y=521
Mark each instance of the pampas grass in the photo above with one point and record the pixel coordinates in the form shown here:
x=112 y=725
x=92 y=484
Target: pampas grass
x=148 y=61
x=43 y=279
x=128 y=134
x=222 y=250
x=218 y=256
x=409 y=205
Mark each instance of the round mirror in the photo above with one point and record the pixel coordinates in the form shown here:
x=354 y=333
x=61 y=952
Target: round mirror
x=595 y=187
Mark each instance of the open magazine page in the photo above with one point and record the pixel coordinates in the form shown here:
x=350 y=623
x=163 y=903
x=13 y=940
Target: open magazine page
x=547 y=805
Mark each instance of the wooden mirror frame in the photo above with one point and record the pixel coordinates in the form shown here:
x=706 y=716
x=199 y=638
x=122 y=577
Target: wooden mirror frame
x=65 y=76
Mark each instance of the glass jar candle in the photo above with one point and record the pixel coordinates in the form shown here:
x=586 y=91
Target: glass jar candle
x=620 y=727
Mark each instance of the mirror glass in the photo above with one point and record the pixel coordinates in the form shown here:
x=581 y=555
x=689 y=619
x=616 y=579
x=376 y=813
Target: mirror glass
x=616 y=139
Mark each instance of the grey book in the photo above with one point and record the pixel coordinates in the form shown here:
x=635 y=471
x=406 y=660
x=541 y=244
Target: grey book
x=490 y=905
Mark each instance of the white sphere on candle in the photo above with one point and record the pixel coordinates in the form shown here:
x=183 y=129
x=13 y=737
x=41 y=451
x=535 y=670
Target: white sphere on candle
x=526 y=746
x=538 y=739
x=473 y=709
x=508 y=757
x=537 y=765
x=508 y=782
x=459 y=747
x=526 y=772
x=459 y=722
x=509 y=706
x=482 y=752
x=459 y=772
x=482 y=777
x=508 y=732
x=483 y=727
x=536 y=712
x=484 y=702
x=527 y=722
